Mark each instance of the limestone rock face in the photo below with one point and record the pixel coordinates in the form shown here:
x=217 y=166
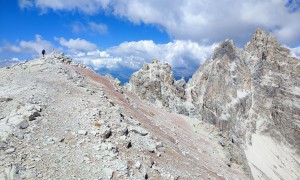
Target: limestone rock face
x=248 y=91
x=155 y=83
x=252 y=92
x=252 y=95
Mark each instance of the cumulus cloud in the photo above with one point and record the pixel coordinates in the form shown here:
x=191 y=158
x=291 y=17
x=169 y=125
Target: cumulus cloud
x=25 y=3
x=34 y=47
x=98 y=27
x=98 y=59
x=199 y=20
x=180 y=54
x=184 y=56
x=86 y=6
x=77 y=44
x=206 y=20
x=295 y=52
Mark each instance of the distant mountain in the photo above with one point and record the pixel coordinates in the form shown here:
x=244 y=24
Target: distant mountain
x=9 y=62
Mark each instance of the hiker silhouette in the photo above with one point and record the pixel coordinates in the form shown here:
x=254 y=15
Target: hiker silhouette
x=43 y=52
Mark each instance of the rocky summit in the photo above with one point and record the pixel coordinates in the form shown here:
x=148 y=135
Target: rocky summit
x=251 y=95
x=238 y=117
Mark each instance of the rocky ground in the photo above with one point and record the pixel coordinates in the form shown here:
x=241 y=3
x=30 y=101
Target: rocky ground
x=60 y=120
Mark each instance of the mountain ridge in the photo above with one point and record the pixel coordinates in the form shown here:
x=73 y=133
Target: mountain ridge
x=244 y=93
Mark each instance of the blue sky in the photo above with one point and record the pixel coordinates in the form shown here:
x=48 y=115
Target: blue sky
x=114 y=36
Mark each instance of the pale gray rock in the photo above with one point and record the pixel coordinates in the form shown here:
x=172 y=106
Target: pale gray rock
x=138 y=130
x=23 y=124
x=148 y=162
x=5 y=99
x=10 y=150
x=155 y=83
x=108 y=172
x=106 y=133
x=138 y=165
x=82 y=132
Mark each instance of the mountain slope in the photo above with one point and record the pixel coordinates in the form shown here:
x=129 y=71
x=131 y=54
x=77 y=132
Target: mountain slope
x=60 y=120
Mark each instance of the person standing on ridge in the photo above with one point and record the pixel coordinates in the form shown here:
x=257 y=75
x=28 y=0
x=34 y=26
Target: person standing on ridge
x=43 y=52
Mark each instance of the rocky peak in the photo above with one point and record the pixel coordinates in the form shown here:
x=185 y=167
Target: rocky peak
x=225 y=48
x=155 y=83
x=252 y=96
x=264 y=44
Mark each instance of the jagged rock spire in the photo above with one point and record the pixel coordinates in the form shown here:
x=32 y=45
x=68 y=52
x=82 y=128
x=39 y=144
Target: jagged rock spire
x=263 y=42
x=225 y=48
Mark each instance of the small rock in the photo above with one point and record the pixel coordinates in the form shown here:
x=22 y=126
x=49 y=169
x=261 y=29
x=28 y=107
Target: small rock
x=152 y=148
x=159 y=144
x=108 y=172
x=138 y=164
x=139 y=130
x=109 y=146
x=5 y=99
x=10 y=150
x=145 y=173
x=125 y=131
x=33 y=115
x=82 y=132
x=23 y=124
x=128 y=145
x=94 y=133
x=107 y=133
x=123 y=138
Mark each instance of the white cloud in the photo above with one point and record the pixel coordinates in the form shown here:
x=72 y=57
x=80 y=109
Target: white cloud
x=98 y=27
x=25 y=3
x=213 y=21
x=77 y=44
x=180 y=54
x=86 y=6
x=78 y=27
x=199 y=20
x=295 y=52
x=98 y=59
x=34 y=47
x=184 y=56
x=91 y=27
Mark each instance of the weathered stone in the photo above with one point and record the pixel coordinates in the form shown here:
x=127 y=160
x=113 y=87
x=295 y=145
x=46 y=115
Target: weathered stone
x=148 y=162
x=82 y=132
x=138 y=130
x=106 y=133
x=10 y=150
x=23 y=124
x=2 y=99
x=108 y=172
x=138 y=165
